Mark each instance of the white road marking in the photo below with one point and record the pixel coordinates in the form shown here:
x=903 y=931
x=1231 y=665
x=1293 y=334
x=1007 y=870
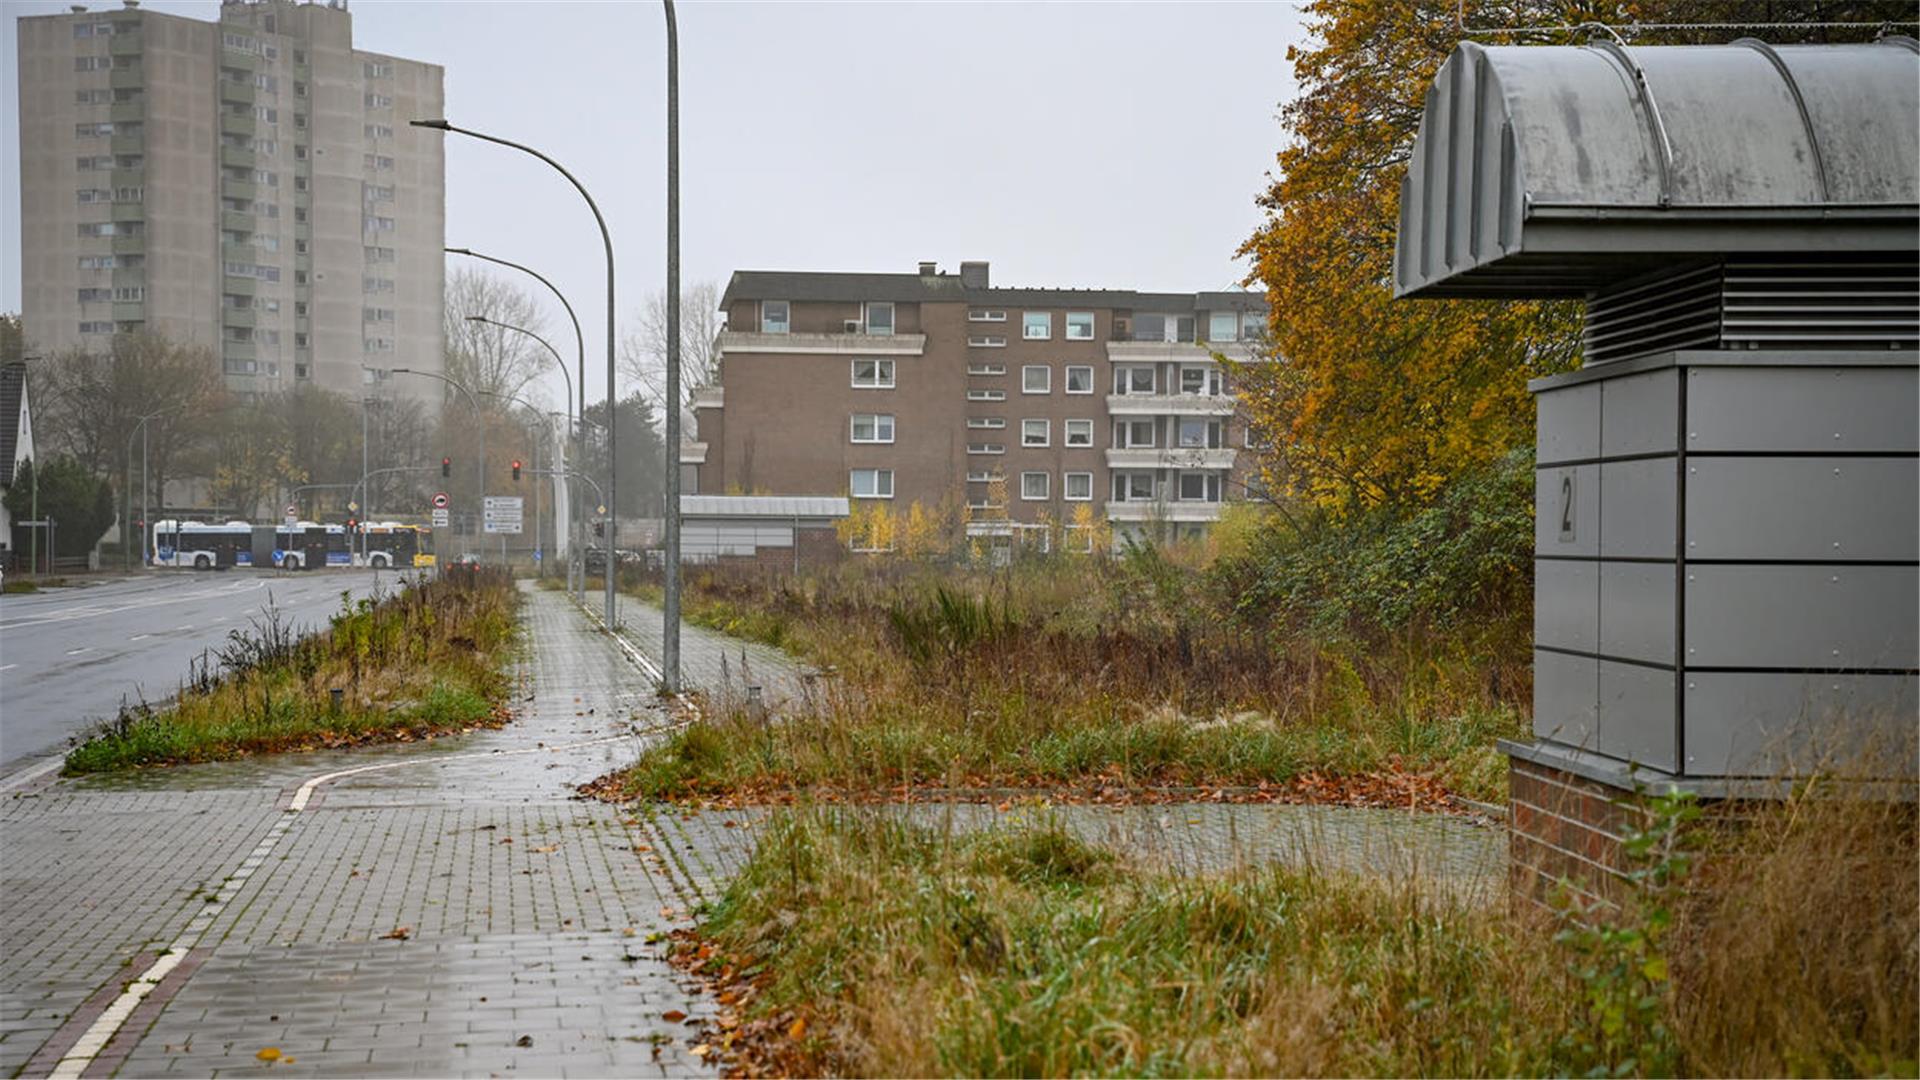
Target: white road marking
x=78 y=651
x=139 y=637
x=188 y=626
x=8 y=667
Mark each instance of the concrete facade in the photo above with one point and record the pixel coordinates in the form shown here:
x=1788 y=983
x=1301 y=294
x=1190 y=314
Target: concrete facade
x=1114 y=400
x=250 y=185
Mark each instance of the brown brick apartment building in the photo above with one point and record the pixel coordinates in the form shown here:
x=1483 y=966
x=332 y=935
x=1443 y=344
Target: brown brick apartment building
x=921 y=387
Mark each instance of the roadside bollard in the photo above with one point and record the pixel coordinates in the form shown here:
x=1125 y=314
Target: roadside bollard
x=756 y=705
x=338 y=695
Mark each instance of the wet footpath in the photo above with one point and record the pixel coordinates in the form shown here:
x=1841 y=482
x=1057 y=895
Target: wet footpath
x=453 y=908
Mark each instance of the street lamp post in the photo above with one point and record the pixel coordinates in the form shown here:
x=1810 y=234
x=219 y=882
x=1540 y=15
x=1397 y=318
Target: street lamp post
x=140 y=429
x=479 y=421
x=563 y=374
x=577 y=582
x=606 y=240
x=670 y=632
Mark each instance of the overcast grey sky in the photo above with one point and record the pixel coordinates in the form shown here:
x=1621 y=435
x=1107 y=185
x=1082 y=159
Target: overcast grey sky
x=1115 y=145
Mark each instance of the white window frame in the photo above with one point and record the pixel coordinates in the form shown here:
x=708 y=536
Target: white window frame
x=1179 y=486
x=1027 y=328
x=1123 y=381
x=882 y=424
x=853 y=486
x=986 y=369
x=986 y=448
x=986 y=423
x=1123 y=434
x=1066 y=487
x=1088 y=316
x=1046 y=433
x=1068 y=385
x=981 y=476
x=986 y=315
x=786 y=320
x=1046 y=371
x=1122 y=486
x=1213 y=321
x=1085 y=427
x=866 y=318
x=986 y=395
x=1046 y=484
x=878 y=366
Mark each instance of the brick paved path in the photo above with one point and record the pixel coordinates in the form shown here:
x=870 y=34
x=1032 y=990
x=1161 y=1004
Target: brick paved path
x=526 y=911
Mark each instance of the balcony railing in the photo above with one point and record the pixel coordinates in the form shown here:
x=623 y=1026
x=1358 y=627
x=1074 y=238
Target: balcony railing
x=1157 y=510
x=1186 y=352
x=741 y=341
x=1170 y=404
x=1170 y=458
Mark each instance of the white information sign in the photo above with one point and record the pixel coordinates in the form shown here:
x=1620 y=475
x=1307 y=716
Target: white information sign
x=440 y=519
x=502 y=514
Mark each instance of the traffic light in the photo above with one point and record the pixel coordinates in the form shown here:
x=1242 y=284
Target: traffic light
x=352 y=524
x=446 y=467
x=599 y=528
x=516 y=470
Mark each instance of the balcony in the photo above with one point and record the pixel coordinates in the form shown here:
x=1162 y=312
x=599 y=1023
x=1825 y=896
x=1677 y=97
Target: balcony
x=1170 y=405
x=1170 y=458
x=1185 y=352
x=709 y=397
x=739 y=341
x=231 y=124
x=129 y=177
x=237 y=350
x=1156 y=510
x=127 y=112
x=239 y=189
x=238 y=93
x=128 y=211
x=239 y=286
x=126 y=45
x=129 y=245
x=243 y=253
x=693 y=453
x=129 y=144
x=237 y=317
x=237 y=158
x=236 y=221
x=128 y=78
x=129 y=311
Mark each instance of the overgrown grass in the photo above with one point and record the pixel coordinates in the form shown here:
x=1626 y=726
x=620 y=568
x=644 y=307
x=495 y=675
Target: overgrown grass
x=1075 y=671
x=1029 y=953
x=424 y=661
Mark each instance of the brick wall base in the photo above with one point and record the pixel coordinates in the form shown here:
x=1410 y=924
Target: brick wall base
x=1565 y=836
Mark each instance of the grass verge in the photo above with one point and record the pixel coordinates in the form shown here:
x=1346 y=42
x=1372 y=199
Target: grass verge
x=425 y=661
x=1069 y=673
x=856 y=945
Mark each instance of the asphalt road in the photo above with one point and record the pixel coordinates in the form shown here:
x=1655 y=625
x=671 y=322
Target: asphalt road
x=69 y=657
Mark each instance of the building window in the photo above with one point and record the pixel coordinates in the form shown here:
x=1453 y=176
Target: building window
x=1036 y=325
x=1036 y=433
x=379 y=131
x=879 y=318
x=1133 y=487
x=871 y=483
x=378 y=101
x=986 y=395
x=130 y=294
x=1079 y=326
x=1204 y=381
x=378 y=254
x=986 y=341
x=872 y=428
x=1133 y=380
x=986 y=422
x=986 y=448
x=1199 y=487
x=380 y=162
x=986 y=369
x=95 y=296
x=93 y=195
x=130 y=194
x=1036 y=379
x=1079 y=380
x=97 y=327
x=1199 y=434
x=1221 y=326
x=979 y=315
x=377 y=70
x=375 y=223
x=93 y=162
x=92 y=63
x=774 y=316
x=873 y=374
x=92 y=97
x=376 y=315
x=1077 y=486
x=375 y=284
x=1035 y=485
x=1133 y=434
x=1079 y=432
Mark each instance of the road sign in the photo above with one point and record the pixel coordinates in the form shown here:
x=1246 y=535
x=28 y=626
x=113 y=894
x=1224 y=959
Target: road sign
x=502 y=514
x=292 y=510
x=352 y=507
x=602 y=511
x=440 y=501
x=439 y=519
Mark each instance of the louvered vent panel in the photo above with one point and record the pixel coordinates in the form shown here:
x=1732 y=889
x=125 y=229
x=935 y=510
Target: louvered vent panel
x=1676 y=310
x=1870 y=302
x=1839 y=304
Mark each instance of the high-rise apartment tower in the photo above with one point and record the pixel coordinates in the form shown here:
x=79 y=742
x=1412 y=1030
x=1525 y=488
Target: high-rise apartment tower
x=249 y=184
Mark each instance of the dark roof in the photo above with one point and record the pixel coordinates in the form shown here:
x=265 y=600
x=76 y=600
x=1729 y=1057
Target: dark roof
x=13 y=395
x=1558 y=170
x=807 y=285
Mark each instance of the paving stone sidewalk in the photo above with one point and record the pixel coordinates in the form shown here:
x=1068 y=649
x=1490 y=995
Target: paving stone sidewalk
x=461 y=913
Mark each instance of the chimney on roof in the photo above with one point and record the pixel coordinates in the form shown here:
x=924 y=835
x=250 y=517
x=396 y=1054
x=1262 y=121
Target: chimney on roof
x=77 y=9
x=929 y=269
x=973 y=275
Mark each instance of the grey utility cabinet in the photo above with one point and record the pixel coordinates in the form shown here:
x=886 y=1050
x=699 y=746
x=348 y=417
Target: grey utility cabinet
x=1727 y=529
